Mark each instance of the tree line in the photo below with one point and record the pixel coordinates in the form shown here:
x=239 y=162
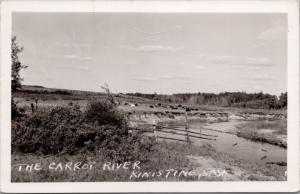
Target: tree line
x=227 y=99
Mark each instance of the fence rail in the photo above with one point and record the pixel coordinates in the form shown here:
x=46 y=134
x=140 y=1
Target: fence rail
x=176 y=129
x=157 y=129
x=172 y=139
x=175 y=133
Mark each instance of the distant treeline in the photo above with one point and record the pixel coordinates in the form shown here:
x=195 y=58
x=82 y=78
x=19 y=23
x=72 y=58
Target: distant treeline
x=226 y=99
x=60 y=92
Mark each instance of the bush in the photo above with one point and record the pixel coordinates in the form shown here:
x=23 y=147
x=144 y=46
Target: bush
x=104 y=113
x=46 y=131
x=15 y=111
x=68 y=130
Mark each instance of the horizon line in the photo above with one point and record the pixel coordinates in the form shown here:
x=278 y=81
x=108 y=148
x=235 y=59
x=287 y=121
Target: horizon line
x=155 y=92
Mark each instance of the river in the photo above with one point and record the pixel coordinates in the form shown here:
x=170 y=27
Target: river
x=227 y=142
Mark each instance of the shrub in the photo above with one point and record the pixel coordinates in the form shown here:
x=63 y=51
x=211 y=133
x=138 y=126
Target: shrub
x=104 y=113
x=68 y=130
x=15 y=111
x=46 y=131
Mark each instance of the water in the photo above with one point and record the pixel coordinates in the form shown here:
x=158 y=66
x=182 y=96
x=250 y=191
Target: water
x=237 y=147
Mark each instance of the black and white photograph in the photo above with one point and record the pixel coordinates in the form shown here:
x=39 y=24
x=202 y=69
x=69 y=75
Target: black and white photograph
x=154 y=96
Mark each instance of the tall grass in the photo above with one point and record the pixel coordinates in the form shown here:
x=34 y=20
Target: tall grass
x=256 y=131
x=167 y=155
x=278 y=126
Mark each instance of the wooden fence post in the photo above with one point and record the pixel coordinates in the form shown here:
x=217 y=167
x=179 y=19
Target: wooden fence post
x=154 y=129
x=32 y=107
x=187 y=128
x=36 y=103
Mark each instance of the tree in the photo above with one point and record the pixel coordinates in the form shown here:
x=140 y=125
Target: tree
x=109 y=95
x=283 y=100
x=17 y=66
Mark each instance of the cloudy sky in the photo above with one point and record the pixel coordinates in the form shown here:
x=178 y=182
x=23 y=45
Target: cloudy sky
x=146 y=52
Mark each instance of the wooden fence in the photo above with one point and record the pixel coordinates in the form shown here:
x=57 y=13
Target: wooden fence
x=177 y=132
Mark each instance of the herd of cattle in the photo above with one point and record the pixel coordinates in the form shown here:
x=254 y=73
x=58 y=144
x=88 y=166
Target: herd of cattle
x=166 y=106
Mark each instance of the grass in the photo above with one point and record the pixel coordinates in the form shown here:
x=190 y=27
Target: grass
x=264 y=131
x=167 y=156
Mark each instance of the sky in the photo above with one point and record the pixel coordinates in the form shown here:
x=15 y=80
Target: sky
x=154 y=52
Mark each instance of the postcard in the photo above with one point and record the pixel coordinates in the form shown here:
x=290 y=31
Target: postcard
x=149 y=96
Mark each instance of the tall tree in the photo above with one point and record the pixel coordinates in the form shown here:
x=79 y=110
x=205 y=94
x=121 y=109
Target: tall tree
x=17 y=66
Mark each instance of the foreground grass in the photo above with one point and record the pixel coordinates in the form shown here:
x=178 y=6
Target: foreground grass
x=168 y=157
x=273 y=132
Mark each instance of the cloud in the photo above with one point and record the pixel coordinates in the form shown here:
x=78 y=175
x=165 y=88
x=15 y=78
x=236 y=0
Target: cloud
x=71 y=45
x=154 y=33
x=169 y=77
x=162 y=78
x=200 y=67
x=144 y=79
x=181 y=64
x=61 y=44
x=178 y=27
x=82 y=68
x=254 y=87
x=69 y=57
x=144 y=48
x=131 y=64
x=231 y=61
x=241 y=62
x=262 y=77
x=126 y=47
x=139 y=30
x=158 y=48
x=198 y=55
x=76 y=57
x=73 y=67
x=275 y=32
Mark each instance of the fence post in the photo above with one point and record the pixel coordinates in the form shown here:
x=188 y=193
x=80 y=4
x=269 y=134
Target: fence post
x=36 y=103
x=32 y=107
x=154 y=129
x=187 y=128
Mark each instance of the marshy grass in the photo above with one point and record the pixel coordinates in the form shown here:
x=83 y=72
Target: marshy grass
x=264 y=131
